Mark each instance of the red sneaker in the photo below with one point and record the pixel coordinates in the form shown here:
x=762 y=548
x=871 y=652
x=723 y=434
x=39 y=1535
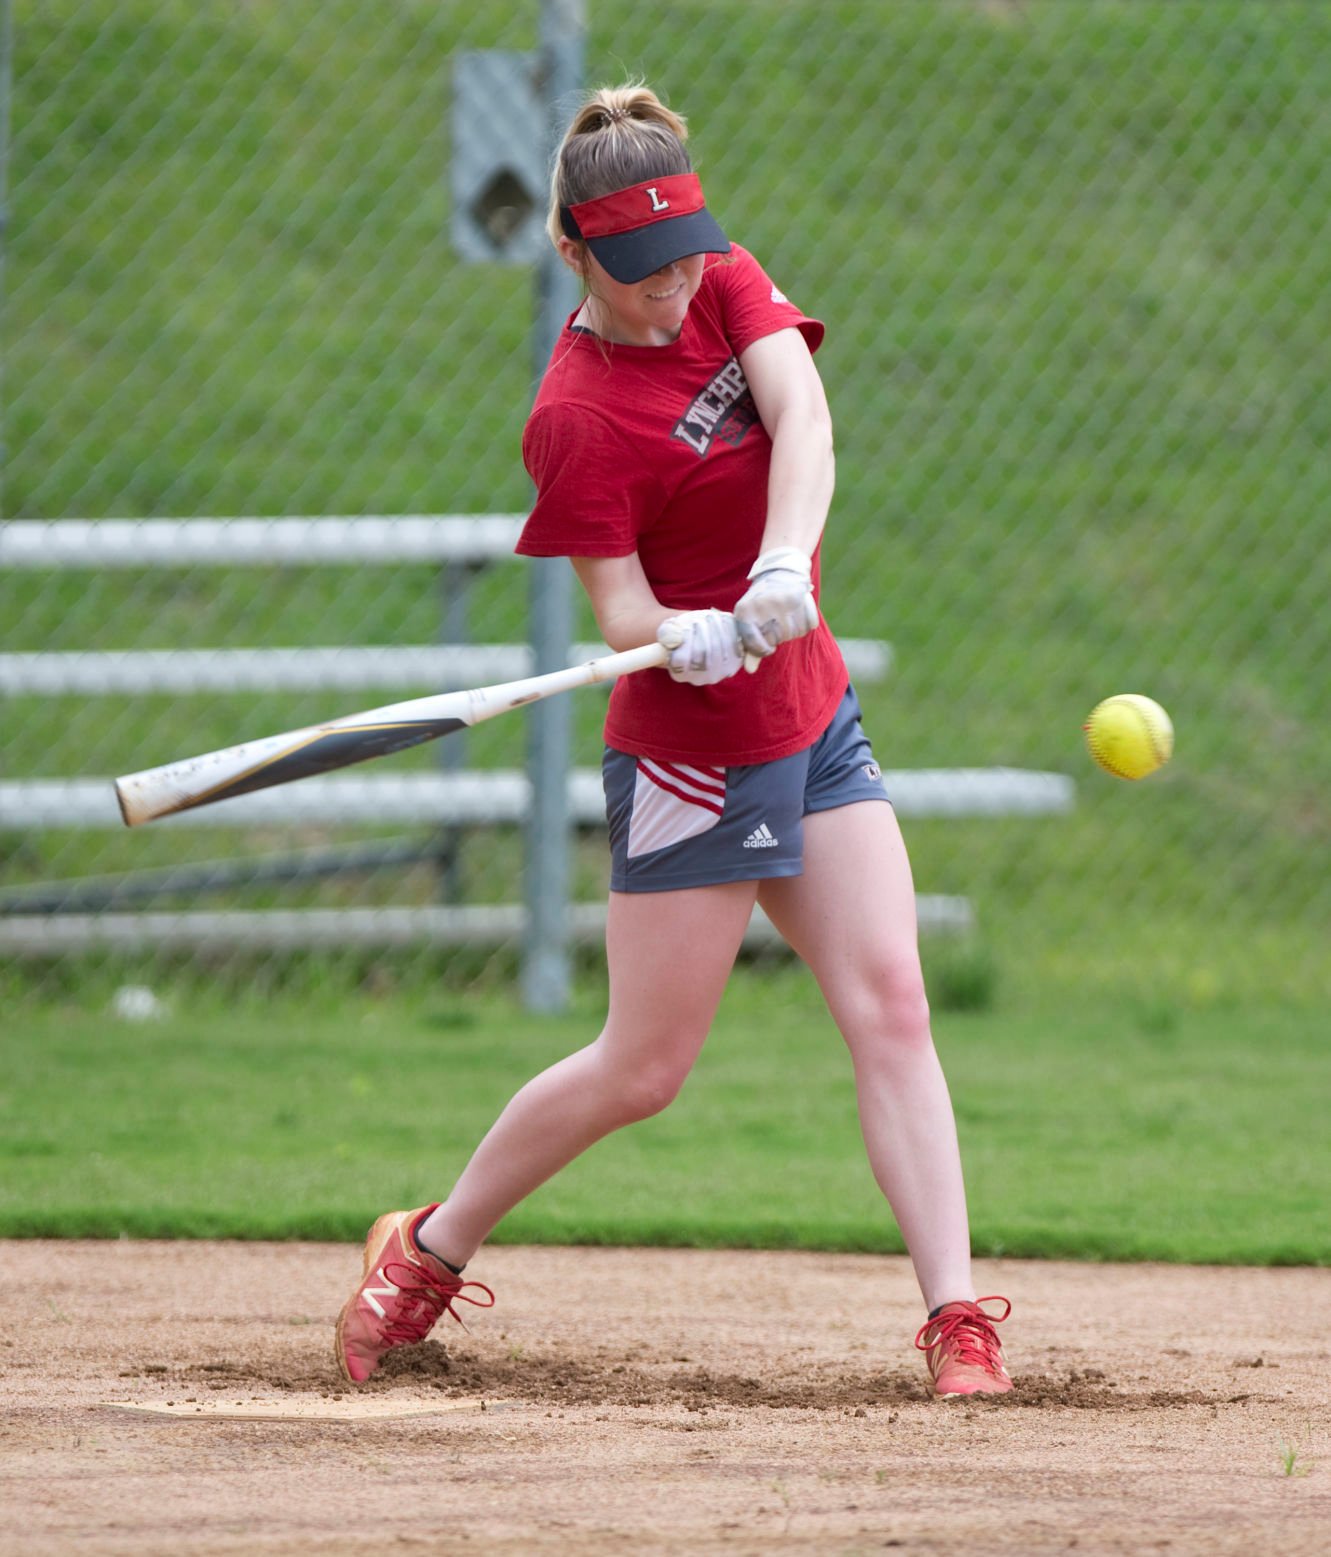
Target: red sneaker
x=401 y=1295
x=962 y=1348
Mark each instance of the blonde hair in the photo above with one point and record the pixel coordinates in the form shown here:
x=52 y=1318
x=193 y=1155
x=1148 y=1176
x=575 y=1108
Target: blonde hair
x=619 y=136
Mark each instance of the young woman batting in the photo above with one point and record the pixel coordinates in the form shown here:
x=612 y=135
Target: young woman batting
x=681 y=448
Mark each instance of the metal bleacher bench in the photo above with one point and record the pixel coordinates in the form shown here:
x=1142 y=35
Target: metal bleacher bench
x=446 y=797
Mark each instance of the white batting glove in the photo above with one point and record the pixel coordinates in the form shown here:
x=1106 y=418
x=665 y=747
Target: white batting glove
x=778 y=604
x=704 y=646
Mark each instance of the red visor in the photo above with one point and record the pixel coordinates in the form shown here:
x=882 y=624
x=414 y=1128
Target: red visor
x=636 y=231
x=659 y=200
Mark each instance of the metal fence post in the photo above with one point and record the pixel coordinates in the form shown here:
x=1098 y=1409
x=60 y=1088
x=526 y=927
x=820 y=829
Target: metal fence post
x=6 y=78
x=545 y=972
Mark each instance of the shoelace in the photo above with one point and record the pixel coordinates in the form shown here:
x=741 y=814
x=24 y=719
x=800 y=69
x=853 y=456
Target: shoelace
x=969 y=1331
x=424 y=1299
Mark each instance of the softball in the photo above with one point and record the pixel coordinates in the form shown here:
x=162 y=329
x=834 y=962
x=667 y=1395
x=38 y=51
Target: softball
x=1129 y=735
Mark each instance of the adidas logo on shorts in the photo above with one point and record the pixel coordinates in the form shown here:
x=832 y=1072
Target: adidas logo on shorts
x=761 y=838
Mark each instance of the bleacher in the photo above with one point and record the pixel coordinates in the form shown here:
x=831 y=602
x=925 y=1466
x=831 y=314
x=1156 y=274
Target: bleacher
x=448 y=797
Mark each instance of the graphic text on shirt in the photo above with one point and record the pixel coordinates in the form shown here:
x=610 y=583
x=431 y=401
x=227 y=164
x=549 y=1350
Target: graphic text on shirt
x=723 y=409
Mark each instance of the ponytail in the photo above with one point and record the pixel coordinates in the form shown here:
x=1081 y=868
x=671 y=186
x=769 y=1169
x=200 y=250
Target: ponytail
x=619 y=136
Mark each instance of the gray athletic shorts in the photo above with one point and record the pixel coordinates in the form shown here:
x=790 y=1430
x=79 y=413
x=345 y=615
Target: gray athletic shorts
x=676 y=824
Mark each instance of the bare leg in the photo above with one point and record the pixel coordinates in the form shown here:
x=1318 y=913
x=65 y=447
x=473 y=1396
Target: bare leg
x=851 y=916
x=670 y=954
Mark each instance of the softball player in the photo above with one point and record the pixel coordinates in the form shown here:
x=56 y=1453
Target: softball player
x=681 y=448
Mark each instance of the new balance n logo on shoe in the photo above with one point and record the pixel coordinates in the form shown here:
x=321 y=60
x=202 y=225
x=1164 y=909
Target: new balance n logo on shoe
x=761 y=838
x=373 y=1294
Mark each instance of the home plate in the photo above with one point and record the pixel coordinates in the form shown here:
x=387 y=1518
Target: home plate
x=345 y=1408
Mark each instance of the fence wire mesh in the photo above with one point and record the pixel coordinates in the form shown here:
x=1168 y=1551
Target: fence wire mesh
x=1073 y=258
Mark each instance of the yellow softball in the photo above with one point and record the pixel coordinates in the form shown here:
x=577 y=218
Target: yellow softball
x=1129 y=735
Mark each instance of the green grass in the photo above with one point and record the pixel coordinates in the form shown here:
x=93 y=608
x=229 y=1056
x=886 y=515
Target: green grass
x=1119 y=1133
x=1071 y=256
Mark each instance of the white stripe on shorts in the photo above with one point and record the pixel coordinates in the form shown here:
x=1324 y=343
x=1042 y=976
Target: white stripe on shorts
x=671 y=802
x=705 y=785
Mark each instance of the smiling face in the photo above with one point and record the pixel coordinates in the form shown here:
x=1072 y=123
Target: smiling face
x=650 y=312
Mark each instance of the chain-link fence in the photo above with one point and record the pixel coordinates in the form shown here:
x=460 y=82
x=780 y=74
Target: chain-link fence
x=1073 y=258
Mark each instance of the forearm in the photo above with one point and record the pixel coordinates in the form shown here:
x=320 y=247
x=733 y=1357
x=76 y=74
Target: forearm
x=704 y=645
x=627 y=611
x=779 y=603
x=800 y=483
x=793 y=406
x=629 y=625
x=628 y=628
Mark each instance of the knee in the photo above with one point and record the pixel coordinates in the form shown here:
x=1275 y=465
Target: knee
x=637 y=1091
x=888 y=1006
x=649 y=1091
x=654 y=1092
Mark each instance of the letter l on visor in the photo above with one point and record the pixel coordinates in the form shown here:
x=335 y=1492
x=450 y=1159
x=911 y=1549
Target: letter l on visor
x=639 y=230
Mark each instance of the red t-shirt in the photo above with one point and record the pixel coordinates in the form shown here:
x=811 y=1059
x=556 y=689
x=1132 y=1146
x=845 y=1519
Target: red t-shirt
x=660 y=450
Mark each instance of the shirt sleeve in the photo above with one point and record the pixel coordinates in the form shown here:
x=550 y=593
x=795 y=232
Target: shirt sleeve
x=754 y=306
x=594 y=496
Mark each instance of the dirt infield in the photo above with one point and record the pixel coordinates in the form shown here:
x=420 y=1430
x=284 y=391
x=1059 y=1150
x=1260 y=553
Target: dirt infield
x=648 y=1401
